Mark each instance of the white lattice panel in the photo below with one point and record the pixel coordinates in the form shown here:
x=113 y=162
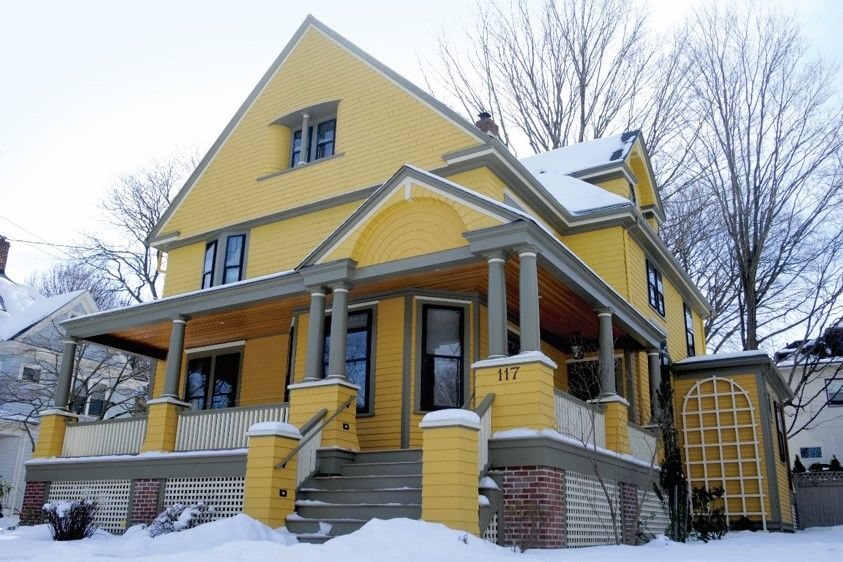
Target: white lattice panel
x=223 y=495
x=112 y=497
x=491 y=532
x=654 y=518
x=589 y=516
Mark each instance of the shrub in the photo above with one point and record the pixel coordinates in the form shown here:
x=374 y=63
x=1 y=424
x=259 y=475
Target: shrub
x=709 y=522
x=70 y=521
x=743 y=523
x=175 y=518
x=816 y=467
x=834 y=465
x=798 y=467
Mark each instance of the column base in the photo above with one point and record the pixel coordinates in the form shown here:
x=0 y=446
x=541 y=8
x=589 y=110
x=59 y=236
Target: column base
x=616 y=416
x=162 y=424
x=307 y=398
x=53 y=424
x=270 y=494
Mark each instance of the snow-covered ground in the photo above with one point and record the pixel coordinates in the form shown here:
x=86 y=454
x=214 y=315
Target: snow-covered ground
x=241 y=538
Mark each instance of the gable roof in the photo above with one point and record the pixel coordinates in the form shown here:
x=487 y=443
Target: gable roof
x=484 y=204
x=310 y=22
x=578 y=196
x=24 y=307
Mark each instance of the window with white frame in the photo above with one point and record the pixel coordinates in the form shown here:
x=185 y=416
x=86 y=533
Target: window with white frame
x=226 y=266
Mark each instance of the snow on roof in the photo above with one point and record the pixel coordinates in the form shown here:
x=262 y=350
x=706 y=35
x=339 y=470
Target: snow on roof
x=553 y=170
x=23 y=306
x=722 y=356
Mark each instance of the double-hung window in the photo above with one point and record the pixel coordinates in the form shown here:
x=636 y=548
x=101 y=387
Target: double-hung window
x=689 y=331
x=655 y=288
x=358 y=353
x=834 y=391
x=219 y=268
x=212 y=381
x=443 y=358
x=319 y=141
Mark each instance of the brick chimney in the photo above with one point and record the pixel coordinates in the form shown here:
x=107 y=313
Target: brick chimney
x=486 y=124
x=4 y=254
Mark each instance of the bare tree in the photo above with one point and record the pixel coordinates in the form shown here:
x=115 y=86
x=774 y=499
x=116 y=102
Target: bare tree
x=66 y=277
x=565 y=72
x=767 y=174
x=132 y=208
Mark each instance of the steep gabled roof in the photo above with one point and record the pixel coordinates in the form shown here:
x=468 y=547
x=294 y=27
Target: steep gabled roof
x=489 y=206
x=309 y=23
x=23 y=307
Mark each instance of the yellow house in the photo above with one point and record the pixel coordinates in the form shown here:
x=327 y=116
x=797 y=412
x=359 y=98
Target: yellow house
x=373 y=309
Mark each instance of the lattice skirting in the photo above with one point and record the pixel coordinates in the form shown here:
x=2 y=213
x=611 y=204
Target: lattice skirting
x=224 y=495
x=654 y=518
x=112 y=497
x=589 y=516
x=491 y=532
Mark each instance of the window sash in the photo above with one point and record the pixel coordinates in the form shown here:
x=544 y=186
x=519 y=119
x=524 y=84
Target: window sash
x=359 y=322
x=834 y=392
x=213 y=381
x=235 y=250
x=209 y=264
x=655 y=288
x=325 y=145
x=435 y=370
x=689 y=331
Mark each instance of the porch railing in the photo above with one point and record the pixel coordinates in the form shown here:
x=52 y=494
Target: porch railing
x=122 y=436
x=484 y=410
x=642 y=443
x=580 y=420
x=223 y=429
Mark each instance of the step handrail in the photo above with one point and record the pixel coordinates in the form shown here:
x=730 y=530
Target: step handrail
x=485 y=432
x=485 y=404
x=308 y=435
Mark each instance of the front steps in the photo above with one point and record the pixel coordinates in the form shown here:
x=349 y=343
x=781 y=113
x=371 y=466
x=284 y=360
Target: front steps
x=377 y=484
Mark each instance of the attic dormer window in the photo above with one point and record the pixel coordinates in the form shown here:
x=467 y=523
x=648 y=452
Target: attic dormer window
x=312 y=133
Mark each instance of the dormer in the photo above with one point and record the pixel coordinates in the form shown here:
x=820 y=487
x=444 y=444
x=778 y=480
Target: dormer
x=308 y=135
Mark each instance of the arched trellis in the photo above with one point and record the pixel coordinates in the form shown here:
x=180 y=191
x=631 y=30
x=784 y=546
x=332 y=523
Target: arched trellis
x=721 y=445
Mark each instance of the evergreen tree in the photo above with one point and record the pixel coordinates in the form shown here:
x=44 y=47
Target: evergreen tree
x=798 y=467
x=835 y=464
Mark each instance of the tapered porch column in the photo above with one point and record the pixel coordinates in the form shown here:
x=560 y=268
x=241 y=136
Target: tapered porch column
x=606 y=354
x=163 y=417
x=528 y=300
x=315 y=335
x=497 y=305
x=54 y=421
x=65 y=379
x=174 y=357
x=339 y=331
x=655 y=370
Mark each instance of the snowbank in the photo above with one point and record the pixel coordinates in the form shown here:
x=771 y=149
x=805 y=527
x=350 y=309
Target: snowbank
x=242 y=538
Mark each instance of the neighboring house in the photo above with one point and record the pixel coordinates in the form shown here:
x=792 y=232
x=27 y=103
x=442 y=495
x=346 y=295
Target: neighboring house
x=423 y=325
x=30 y=352
x=821 y=360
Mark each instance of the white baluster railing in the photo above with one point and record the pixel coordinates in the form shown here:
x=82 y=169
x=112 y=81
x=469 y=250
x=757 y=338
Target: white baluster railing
x=225 y=428
x=108 y=437
x=306 y=457
x=642 y=443
x=580 y=420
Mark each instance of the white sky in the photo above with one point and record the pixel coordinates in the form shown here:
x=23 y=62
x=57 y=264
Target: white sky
x=93 y=89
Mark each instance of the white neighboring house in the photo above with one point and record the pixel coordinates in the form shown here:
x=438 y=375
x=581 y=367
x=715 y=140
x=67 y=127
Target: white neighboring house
x=823 y=436
x=30 y=352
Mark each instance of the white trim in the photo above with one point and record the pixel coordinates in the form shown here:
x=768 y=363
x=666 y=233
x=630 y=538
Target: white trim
x=441 y=299
x=496 y=260
x=277 y=429
x=527 y=253
x=57 y=412
x=355 y=306
x=452 y=417
x=323 y=382
x=167 y=400
x=226 y=345
x=610 y=398
x=520 y=359
x=470 y=156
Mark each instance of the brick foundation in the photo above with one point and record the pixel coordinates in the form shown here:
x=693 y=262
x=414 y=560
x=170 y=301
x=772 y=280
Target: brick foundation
x=534 y=506
x=628 y=495
x=144 y=501
x=34 y=498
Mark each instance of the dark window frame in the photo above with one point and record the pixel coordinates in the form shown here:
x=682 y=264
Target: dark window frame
x=241 y=259
x=368 y=404
x=208 y=386
x=689 y=330
x=426 y=373
x=655 y=288
x=313 y=145
x=778 y=415
x=37 y=370
x=208 y=274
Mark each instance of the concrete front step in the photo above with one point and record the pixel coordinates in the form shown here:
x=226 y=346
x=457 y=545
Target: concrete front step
x=324 y=511
x=389 y=455
x=380 y=468
x=311 y=531
x=363 y=482
x=401 y=495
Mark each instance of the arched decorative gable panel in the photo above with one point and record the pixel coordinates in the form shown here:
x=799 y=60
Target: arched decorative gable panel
x=721 y=445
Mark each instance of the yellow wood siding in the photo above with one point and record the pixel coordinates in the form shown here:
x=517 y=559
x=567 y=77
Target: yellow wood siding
x=264 y=370
x=603 y=251
x=383 y=429
x=618 y=186
x=782 y=468
x=184 y=269
x=644 y=393
x=483 y=181
x=380 y=126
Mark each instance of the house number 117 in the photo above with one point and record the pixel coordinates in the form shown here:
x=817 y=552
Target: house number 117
x=504 y=373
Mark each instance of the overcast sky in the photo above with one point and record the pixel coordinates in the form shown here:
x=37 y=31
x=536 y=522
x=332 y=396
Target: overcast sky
x=93 y=89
